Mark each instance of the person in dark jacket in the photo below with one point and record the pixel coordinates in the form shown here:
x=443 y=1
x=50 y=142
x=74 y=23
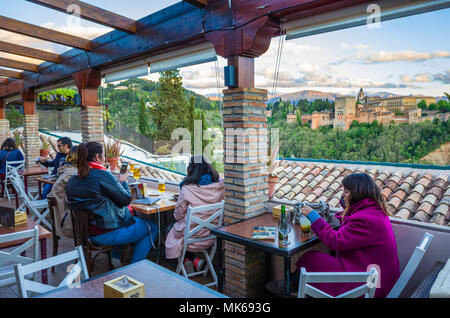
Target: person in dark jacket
x=9 y=152
x=64 y=145
x=96 y=190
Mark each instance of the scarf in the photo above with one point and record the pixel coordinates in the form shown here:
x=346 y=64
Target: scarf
x=204 y=180
x=96 y=165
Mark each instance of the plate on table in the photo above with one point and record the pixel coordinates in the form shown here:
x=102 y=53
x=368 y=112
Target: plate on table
x=153 y=193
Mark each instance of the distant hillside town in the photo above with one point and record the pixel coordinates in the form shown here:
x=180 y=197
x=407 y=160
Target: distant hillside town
x=366 y=109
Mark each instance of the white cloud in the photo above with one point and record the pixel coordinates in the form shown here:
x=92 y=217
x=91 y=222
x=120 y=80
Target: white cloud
x=375 y=57
x=427 y=78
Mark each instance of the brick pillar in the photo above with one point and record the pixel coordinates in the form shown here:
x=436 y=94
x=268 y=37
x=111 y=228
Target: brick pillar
x=246 y=187
x=4 y=123
x=88 y=82
x=92 y=124
x=32 y=142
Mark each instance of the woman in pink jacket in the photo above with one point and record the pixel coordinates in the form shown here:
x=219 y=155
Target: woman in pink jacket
x=202 y=186
x=365 y=238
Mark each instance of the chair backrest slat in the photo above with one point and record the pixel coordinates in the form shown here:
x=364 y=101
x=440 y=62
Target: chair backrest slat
x=25 y=285
x=199 y=223
x=412 y=265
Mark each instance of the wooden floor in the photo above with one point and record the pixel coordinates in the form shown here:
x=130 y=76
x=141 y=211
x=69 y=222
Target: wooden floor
x=101 y=265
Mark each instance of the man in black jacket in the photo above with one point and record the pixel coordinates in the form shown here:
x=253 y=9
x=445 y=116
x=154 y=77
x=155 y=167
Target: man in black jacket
x=64 y=145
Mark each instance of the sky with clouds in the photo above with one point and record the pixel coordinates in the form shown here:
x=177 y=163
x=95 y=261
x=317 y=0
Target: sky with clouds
x=404 y=56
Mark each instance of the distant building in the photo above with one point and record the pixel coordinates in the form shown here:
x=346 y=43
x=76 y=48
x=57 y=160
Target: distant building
x=291 y=118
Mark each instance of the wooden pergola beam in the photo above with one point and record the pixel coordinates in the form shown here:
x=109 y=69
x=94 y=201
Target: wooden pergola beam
x=29 y=52
x=12 y=74
x=198 y=3
x=91 y=13
x=3 y=81
x=19 y=65
x=45 y=34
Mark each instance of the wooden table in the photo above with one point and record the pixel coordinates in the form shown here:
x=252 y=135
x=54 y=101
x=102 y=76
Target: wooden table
x=159 y=283
x=241 y=233
x=43 y=235
x=145 y=210
x=51 y=181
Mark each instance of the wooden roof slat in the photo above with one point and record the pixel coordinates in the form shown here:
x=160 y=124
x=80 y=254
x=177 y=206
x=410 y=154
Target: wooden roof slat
x=12 y=74
x=29 y=52
x=3 y=81
x=19 y=65
x=92 y=13
x=198 y=3
x=45 y=34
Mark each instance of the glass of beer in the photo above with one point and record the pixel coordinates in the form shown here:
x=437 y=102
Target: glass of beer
x=132 y=168
x=137 y=172
x=162 y=188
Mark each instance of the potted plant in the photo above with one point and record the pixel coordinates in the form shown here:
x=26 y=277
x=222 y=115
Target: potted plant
x=18 y=138
x=272 y=164
x=113 y=153
x=44 y=148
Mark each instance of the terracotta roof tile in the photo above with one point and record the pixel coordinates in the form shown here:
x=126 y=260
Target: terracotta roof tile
x=323 y=198
x=330 y=178
x=324 y=184
x=430 y=198
x=318 y=191
x=310 y=198
x=405 y=186
x=336 y=173
x=395 y=179
x=379 y=183
x=403 y=214
x=290 y=195
x=419 y=189
x=386 y=192
x=306 y=190
x=300 y=197
x=392 y=184
x=299 y=176
x=383 y=176
x=410 y=206
x=410 y=180
x=437 y=218
x=440 y=184
x=338 y=194
x=316 y=171
x=328 y=193
x=415 y=196
x=334 y=202
x=395 y=202
x=398 y=174
x=436 y=191
x=426 y=207
x=309 y=177
x=421 y=216
x=442 y=177
x=442 y=209
x=424 y=181
x=325 y=172
x=429 y=176
x=303 y=183
x=447 y=192
x=306 y=170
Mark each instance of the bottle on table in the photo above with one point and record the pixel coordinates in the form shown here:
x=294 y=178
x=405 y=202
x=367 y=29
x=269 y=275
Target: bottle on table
x=283 y=229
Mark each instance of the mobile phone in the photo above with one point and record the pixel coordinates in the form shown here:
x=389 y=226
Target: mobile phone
x=124 y=168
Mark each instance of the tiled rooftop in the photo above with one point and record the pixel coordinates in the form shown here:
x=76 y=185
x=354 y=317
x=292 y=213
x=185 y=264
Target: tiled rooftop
x=147 y=170
x=410 y=194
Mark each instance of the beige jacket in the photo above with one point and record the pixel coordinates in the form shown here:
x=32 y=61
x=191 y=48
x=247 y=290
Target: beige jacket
x=192 y=195
x=59 y=193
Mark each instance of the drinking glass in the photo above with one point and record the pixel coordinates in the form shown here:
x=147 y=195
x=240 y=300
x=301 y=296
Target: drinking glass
x=284 y=231
x=162 y=188
x=137 y=172
x=132 y=168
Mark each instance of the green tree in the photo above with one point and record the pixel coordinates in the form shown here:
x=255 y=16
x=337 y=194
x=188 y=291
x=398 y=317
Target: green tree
x=432 y=106
x=144 y=119
x=422 y=104
x=170 y=105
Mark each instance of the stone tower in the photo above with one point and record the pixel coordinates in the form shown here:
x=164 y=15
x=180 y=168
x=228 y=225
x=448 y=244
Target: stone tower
x=361 y=96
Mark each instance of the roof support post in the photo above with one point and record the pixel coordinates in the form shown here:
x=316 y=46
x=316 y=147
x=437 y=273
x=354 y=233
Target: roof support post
x=4 y=123
x=88 y=82
x=30 y=127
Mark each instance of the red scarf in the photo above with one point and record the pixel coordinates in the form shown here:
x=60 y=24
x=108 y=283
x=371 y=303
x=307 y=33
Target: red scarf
x=96 y=165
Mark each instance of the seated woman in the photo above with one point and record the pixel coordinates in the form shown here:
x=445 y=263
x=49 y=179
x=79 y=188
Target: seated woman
x=365 y=238
x=63 y=221
x=9 y=152
x=202 y=186
x=96 y=190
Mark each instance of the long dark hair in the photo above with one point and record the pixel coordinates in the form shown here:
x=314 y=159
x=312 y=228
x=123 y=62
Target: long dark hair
x=9 y=144
x=199 y=166
x=362 y=186
x=85 y=154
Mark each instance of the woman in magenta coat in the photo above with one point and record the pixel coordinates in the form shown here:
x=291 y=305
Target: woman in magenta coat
x=365 y=238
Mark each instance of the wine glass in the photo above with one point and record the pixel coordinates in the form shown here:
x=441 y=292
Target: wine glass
x=162 y=188
x=137 y=172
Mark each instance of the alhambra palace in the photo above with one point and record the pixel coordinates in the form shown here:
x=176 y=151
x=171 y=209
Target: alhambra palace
x=365 y=109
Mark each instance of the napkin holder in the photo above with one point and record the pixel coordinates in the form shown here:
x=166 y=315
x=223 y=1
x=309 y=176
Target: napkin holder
x=276 y=210
x=138 y=190
x=123 y=287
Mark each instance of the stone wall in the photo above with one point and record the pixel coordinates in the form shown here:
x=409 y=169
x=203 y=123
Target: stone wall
x=32 y=142
x=4 y=129
x=92 y=124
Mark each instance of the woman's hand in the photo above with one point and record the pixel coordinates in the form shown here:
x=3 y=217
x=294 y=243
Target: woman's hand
x=123 y=177
x=306 y=210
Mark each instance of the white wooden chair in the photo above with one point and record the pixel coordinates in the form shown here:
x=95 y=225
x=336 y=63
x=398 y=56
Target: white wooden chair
x=411 y=267
x=9 y=167
x=26 y=286
x=198 y=224
x=39 y=208
x=8 y=259
x=368 y=289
